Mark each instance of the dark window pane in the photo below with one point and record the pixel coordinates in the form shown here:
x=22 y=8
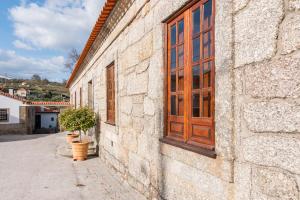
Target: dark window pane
x=196 y=77
x=207 y=15
x=196 y=21
x=196 y=103
x=207 y=74
x=207 y=50
x=180 y=31
x=173 y=58
x=173 y=81
x=206 y=112
x=181 y=56
x=180 y=80
x=3 y=115
x=173 y=34
x=196 y=49
x=173 y=105
x=180 y=105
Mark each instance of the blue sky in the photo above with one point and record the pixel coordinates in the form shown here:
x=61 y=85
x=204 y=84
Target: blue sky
x=36 y=35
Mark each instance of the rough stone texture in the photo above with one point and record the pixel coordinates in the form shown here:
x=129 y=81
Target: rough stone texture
x=274 y=151
x=242 y=180
x=137 y=83
x=256 y=33
x=268 y=182
x=290 y=33
x=278 y=78
x=149 y=107
x=272 y=117
x=126 y=105
x=179 y=175
x=223 y=36
x=240 y=4
x=294 y=4
x=257 y=120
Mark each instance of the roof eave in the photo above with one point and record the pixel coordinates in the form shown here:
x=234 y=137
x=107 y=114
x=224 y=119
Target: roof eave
x=105 y=12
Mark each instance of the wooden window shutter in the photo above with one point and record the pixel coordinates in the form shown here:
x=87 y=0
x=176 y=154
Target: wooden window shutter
x=90 y=95
x=110 y=84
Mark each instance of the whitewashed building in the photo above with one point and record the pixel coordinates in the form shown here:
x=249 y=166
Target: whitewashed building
x=22 y=92
x=46 y=118
x=16 y=115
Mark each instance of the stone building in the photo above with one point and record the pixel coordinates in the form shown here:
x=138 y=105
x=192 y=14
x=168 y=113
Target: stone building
x=196 y=99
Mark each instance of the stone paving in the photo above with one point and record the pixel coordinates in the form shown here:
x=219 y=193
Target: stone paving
x=32 y=169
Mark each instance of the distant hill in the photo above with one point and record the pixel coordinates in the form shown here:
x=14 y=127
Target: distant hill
x=38 y=90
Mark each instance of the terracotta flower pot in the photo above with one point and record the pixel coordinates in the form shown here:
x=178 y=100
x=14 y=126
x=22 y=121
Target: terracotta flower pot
x=80 y=150
x=71 y=136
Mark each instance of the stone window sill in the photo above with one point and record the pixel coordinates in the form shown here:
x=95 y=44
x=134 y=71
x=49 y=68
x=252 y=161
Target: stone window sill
x=195 y=149
x=110 y=123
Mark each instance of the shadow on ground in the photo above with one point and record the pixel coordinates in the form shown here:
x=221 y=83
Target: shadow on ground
x=13 y=138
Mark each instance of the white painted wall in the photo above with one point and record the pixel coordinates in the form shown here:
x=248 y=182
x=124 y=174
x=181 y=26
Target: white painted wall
x=14 y=109
x=46 y=120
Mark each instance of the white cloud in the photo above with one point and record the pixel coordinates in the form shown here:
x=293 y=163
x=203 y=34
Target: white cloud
x=24 y=67
x=21 y=45
x=57 y=24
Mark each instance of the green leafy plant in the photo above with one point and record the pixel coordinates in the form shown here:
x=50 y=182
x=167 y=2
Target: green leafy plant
x=83 y=119
x=66 y=119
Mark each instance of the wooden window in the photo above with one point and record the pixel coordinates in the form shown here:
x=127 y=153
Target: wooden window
x=75 y=100
x=4 y=115
x=190 y=76
x=110 y=81
x=90 y=95
x=80 y=96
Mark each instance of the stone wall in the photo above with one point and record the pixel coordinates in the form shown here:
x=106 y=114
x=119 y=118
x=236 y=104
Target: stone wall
x=266 y=101
x=257 y=104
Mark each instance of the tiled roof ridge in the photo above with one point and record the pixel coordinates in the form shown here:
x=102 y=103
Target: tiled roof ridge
x=105 y=12
x=14 y=97
x=34 y=102
x=50 y=102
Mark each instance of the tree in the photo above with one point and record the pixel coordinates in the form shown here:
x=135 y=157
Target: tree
x=36 y=77
x=64 y=82
x=72 y=59
x=45 y=81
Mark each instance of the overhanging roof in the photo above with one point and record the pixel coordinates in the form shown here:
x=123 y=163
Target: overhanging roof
x=14 y=97
x=106 y=10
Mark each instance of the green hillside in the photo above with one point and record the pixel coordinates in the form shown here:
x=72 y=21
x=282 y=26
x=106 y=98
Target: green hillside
x=39 y=90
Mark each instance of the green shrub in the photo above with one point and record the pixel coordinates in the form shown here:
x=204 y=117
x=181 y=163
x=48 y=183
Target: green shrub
x=83 y=119
x=65 y=119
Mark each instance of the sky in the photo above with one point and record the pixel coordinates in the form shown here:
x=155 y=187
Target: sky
x=37 y=35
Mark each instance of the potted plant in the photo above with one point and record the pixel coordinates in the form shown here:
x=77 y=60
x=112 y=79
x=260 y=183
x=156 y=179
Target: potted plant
x=65 y=120
x=82 y=119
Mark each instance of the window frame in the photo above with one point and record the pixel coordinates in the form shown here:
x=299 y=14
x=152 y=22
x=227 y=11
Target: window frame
x=111 y=121
x=7 y=115
x=80 y=97
x=90 y=98
x=186 y=13
x=75 y=99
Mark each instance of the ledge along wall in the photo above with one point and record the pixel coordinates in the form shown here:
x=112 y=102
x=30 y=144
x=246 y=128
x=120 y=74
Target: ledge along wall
x=257 y=109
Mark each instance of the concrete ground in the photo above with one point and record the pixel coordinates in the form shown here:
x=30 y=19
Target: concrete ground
x=31 y=168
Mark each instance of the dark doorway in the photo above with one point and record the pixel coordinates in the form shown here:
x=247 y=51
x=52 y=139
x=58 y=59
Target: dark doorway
x=37 y=121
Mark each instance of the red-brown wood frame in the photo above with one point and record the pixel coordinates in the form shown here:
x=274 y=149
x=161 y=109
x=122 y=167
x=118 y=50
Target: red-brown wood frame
x=110 y=94
x=188 y=139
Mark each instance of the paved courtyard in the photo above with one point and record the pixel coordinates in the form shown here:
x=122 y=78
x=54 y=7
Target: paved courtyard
x=31 y=168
